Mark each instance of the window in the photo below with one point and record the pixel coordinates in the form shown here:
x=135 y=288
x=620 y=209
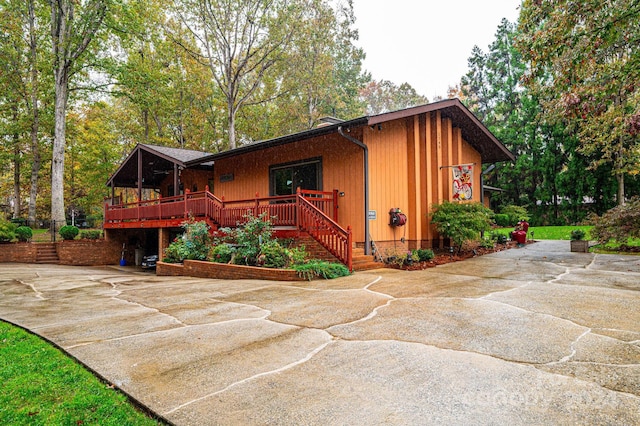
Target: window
x=286 y=178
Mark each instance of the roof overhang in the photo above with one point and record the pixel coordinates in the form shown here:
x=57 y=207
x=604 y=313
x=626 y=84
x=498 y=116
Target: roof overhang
x=157 y=162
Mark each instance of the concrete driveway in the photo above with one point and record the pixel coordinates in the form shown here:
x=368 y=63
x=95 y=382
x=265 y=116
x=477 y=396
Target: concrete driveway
x=535 y=335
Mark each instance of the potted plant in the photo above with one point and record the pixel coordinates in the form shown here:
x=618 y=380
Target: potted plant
x=578 y=244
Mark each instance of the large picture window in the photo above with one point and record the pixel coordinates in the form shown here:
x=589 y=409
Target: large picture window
x=286 y=178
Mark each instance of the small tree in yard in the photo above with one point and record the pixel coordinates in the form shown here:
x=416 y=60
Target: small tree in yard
x=619 y=224
x=461 y=221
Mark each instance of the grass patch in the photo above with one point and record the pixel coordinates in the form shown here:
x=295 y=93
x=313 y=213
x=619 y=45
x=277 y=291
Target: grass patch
x=42 y=386
x=549 y=232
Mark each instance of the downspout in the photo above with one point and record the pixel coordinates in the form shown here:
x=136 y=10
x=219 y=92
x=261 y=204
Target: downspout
x=367 y=242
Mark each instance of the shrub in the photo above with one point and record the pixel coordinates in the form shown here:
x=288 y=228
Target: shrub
x=248 y=237
x=273 y=255
x=487 y=243
x=461 y=221
x=502 y=220
x=7 y=231
x=23 y=233
x=68 y=232
x=619 y=224
x=222 y=253
x=320 y=268
x=515 y=214
x=193 y=244
x=425 y=255
x=577 y=235
x=298 y=255
x=498 y=237
x=176 y=252
x=91 y=234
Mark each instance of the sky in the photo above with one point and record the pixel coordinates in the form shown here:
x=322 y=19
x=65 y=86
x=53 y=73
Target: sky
x=426 y=43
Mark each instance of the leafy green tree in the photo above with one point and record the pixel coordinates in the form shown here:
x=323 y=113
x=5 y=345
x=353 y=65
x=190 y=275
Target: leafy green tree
x=327 y=76
x=74 y=25
x=241 y=41
x=585 y=66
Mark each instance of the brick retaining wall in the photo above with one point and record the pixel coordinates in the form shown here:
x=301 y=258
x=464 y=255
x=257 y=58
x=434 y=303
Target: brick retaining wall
x=18 y=252
x=89 y=252
x=200 y=269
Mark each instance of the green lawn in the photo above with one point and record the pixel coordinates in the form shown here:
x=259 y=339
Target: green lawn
x=550 y=232
x=42 y=386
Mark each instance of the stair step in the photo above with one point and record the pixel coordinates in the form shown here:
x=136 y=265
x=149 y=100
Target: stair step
x=46 y=253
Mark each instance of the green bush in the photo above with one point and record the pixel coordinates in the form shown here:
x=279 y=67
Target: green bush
x=425 y=255
x=502 y=220
x=91 y=234
x=273 y=255
x=515 y=213
x=320 y=268
x=69 y=232
x=298 y=255
x=487 y=243
x=577 y=235
x=222 y=253
x=7 y=231
x=461 y=221
x=24 y=233
x=193 y=244
x=498 y=237
x=248 y=237
x=619 y=224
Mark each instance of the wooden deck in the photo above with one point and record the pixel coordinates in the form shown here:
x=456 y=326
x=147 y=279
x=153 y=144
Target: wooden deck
x=314 y=212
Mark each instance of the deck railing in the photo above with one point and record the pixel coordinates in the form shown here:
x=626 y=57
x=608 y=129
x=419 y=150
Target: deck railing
x=324 y=230
x=315 y=212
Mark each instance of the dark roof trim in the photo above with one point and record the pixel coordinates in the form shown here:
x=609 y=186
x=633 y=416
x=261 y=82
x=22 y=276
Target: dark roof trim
x=283 y=140
x=154 y=150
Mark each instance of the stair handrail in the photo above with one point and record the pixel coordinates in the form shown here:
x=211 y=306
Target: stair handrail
x=328 y=233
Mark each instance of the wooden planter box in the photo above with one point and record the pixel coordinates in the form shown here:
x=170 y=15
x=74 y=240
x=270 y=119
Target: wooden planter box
x=580 y=246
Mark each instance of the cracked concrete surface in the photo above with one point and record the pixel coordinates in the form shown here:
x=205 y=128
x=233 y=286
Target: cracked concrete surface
x=536 y=335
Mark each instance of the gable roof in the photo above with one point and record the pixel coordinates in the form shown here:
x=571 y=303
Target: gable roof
x=157 y=162
x=473 y=131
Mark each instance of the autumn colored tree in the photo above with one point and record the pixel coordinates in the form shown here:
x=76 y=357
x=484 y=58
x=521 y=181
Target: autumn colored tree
x=584 y=59
x=73 y=27
x=384 y=96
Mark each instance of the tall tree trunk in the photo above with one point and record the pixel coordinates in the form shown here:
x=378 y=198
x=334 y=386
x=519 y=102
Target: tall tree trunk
x=59 y=143
x=66 y=52
x=620 y=174
x=35 y=124
x=16 y=176
x=620 y=179
x=232 y=124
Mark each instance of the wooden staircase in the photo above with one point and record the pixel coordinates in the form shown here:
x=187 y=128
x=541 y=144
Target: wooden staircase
x=46 y=253
x=361 y=261
x=364 y=262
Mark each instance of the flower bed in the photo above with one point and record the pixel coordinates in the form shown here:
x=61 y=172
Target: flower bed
x=443 y=257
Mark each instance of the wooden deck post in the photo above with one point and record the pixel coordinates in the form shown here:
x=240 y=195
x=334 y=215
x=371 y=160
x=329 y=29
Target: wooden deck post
x=335 y=205
x=186 y=207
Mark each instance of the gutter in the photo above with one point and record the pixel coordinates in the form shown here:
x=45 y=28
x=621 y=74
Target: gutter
x=367 y=238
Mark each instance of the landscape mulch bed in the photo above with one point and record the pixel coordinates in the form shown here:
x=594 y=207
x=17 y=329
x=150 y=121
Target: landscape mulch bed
x=442 y=256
